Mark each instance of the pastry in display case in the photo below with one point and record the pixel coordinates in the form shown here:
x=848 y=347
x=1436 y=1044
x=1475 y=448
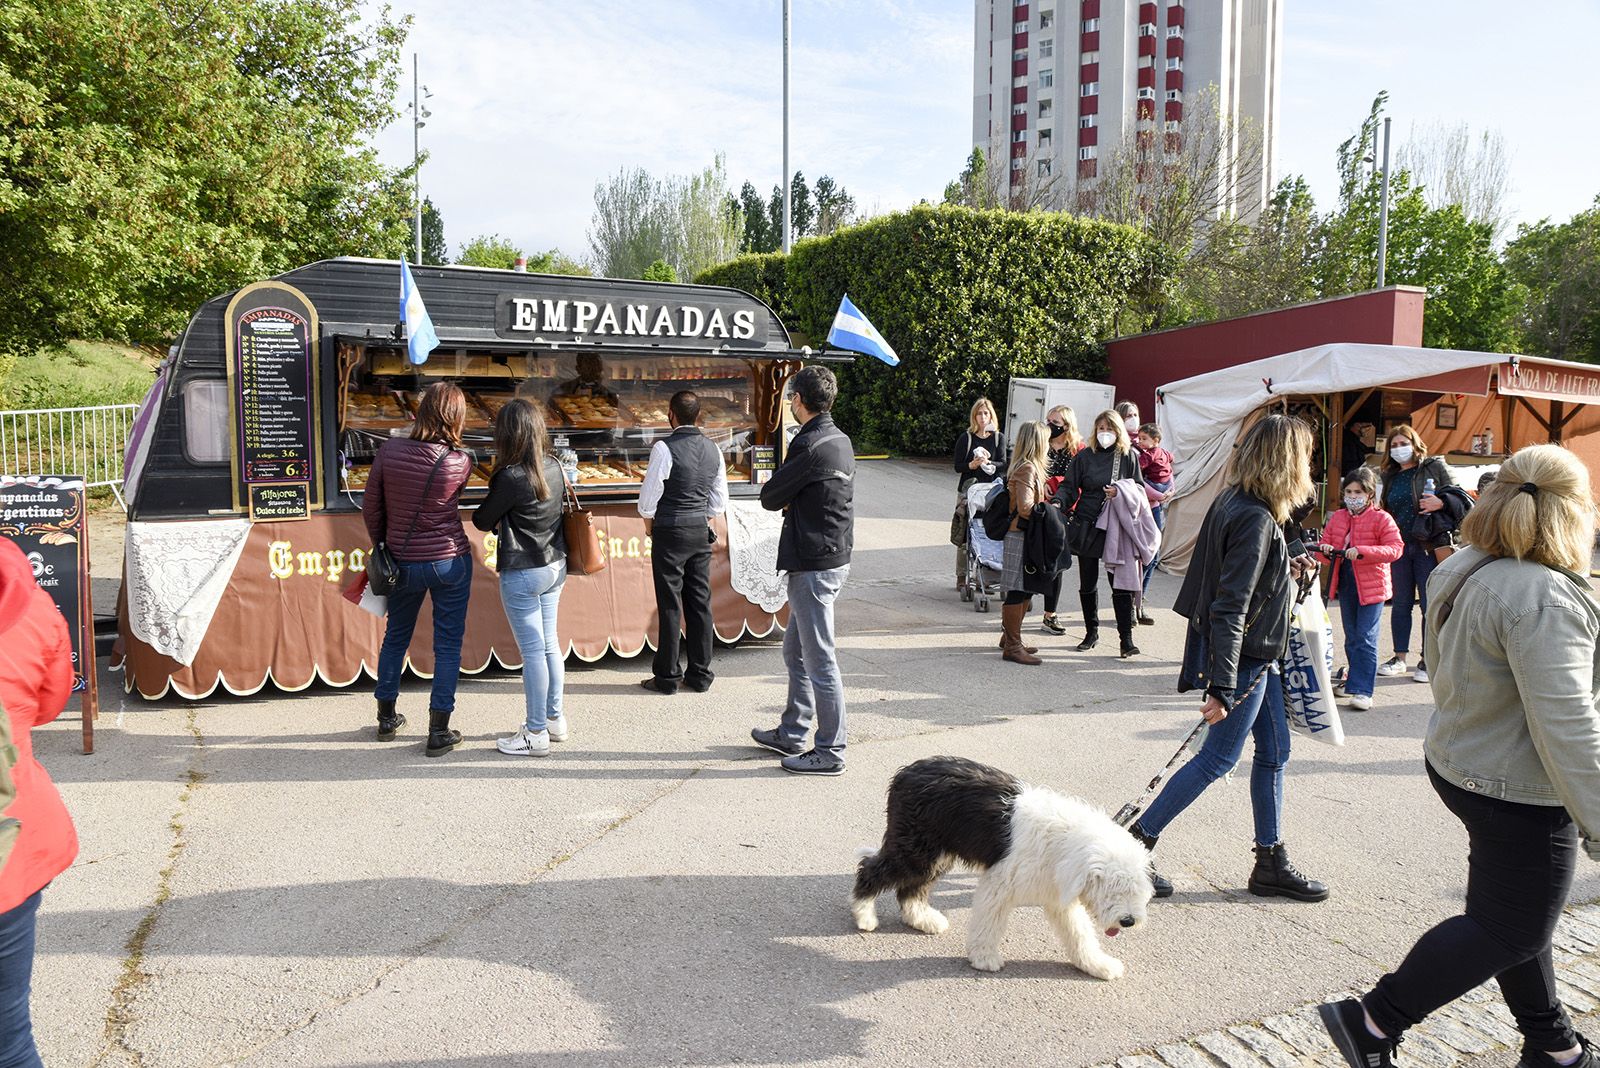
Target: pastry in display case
x=592 y=411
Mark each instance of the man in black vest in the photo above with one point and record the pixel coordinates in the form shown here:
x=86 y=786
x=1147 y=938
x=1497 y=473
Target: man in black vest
x=684 y=487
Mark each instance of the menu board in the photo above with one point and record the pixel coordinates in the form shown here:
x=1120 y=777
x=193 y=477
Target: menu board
x=273 y=394
x=45 y=517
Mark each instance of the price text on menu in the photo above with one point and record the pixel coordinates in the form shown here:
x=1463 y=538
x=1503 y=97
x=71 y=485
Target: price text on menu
x=274 y=400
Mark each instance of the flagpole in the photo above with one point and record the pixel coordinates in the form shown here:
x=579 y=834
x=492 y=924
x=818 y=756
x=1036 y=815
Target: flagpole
x=416 y=154
x=786 y=182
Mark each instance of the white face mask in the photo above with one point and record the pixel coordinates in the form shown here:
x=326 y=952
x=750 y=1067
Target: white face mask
x=985 y=424
x=1401 y=454
x=1132 y=425
x=1106 y=439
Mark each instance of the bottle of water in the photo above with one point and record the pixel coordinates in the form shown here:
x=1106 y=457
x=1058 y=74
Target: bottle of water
x=1427 y=487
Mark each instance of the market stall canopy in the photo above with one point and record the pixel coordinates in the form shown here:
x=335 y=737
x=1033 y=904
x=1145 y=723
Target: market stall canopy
x=1202 y=417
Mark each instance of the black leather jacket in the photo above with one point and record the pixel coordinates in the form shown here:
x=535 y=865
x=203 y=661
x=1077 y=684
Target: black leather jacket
x=1237 y=594
x=528 y=530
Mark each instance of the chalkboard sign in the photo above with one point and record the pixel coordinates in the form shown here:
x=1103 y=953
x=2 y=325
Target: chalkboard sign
x=275 y=503
x=45 y=516
x=274 y=392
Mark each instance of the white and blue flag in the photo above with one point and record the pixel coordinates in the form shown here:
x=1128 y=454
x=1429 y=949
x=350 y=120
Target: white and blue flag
x=420 y=336
x=852 y=331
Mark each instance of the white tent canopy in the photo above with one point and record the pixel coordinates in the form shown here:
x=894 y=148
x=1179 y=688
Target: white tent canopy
x=1202 y=417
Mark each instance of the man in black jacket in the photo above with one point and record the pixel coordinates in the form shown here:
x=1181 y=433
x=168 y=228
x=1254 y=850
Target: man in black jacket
x=685 y=485
x=816 y=488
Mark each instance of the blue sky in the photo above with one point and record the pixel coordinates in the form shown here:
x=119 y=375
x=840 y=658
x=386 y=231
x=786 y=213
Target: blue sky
x=534 y=101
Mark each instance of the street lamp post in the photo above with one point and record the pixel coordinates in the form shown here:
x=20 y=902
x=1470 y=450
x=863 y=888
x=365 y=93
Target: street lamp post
x=1383 y=209
x=787 y=228
x=418 y=114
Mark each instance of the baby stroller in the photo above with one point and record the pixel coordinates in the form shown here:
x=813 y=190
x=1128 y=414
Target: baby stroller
x=984 y=554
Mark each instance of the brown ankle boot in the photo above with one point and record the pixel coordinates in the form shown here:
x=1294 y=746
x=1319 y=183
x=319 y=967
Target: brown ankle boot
x=1011 y=645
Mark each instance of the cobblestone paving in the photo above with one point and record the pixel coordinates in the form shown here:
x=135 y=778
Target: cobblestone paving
x=1460 y=1035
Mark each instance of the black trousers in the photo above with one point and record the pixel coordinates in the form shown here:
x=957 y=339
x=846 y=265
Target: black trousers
x=1520 y=865
x=680 y=563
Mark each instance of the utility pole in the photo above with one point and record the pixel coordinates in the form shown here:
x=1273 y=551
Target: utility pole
x=418 y=116
x=787 y=227
x=1383 y=209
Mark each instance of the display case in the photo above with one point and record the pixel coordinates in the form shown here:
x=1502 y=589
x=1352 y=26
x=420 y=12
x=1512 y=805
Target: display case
x=603 y=411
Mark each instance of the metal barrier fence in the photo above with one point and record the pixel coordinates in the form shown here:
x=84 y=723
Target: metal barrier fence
x=63 y=441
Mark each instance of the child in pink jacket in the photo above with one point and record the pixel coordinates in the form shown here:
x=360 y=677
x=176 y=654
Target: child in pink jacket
x=1361 y=540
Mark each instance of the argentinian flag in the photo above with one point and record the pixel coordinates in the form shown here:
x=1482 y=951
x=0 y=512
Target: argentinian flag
x=420 y=336
x=852 y=331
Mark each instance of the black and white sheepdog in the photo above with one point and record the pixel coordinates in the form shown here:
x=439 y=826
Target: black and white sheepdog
x=1033 y=847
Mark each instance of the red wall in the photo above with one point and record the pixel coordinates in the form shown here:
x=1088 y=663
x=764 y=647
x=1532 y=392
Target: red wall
x=1141 y=363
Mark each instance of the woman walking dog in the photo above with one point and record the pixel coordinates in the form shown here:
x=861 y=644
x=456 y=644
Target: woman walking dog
x=1238 y=597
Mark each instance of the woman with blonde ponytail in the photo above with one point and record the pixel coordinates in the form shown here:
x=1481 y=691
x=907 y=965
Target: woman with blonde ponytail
x=1026 y=481
x=1513 y=750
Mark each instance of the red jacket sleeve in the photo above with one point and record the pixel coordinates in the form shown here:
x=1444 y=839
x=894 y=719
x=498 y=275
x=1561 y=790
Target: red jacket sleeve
x=1334 y=533
x=55 y=682
x=1388 y=547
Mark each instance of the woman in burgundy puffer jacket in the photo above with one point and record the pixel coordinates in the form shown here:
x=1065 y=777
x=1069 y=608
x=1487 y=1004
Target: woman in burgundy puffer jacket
x=1361 y=540
x=412 y=504
x=35 y=682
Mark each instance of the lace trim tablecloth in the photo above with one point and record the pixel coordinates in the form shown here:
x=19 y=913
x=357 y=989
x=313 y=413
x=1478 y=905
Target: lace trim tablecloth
x=753 y=553
x=176 y=575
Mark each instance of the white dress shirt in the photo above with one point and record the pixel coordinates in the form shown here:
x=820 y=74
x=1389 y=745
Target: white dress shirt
x=655 y=482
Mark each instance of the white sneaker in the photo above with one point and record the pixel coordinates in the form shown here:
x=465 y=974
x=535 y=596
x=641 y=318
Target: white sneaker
x=556 y=727
x=1392 y=667
x=1421 y=674
x=1360 y=702
x=525 y=743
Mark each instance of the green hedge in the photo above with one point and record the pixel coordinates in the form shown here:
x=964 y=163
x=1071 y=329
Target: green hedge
x=969 y=299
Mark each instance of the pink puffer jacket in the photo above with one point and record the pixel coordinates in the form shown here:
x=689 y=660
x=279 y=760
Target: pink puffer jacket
x=1374 y=535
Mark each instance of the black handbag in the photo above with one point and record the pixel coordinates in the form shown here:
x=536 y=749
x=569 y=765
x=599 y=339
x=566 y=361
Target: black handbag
x=383 y=570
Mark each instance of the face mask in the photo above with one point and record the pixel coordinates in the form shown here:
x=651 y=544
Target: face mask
x=985 y=424
x=1106 y=439
x=1056 y=430
x=1355 y=504
x=1401 y=454
x=1132 y=425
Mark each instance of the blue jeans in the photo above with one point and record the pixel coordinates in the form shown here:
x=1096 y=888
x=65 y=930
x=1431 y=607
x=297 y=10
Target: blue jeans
x=816 y=686
x=1159 y=513
x=531 y=597
x=450 y=582
x=17 y=929
x=1361 y=624
x=1410 y=576
x=1260 y=715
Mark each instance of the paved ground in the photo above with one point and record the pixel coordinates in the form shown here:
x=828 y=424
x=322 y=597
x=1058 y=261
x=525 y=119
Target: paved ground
x=262 y=884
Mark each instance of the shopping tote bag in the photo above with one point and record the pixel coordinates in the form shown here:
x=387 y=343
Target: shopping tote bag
x=1308 y=671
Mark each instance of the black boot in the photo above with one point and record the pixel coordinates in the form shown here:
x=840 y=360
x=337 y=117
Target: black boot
x=1162 y=884
x=1122 y=605
x=1091 y=620
x=441 y=739
x=1275 y=876
x=389 y=721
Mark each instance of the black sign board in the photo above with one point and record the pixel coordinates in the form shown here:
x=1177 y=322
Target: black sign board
x=277 y=502
x=274 y=392
x=45 y=517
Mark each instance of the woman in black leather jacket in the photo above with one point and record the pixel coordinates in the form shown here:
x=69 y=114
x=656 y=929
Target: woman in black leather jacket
x=1238 y=597
x=1107 y=459
x=523 y=509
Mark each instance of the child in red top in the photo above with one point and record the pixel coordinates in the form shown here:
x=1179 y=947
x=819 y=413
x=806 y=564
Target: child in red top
x=1361 y=540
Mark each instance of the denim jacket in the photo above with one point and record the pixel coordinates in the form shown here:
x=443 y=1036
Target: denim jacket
x=1516 y=677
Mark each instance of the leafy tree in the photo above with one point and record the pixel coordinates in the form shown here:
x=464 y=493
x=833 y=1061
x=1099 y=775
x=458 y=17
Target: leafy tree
x=683 y=220
x=835 y=206
x=556 y=262
x=660 y=271
x=434 y=249
x=491 y=250
x=758 y=233
x=802 y=210
x=1455 y=167
x=153 y=154
x=1559 y=267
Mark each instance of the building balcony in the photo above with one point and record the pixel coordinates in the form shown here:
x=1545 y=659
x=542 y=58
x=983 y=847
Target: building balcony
x=1174 y=79
x=1019 y=94
x=1147 y=77
x=1019 y=68
x=1147 y=46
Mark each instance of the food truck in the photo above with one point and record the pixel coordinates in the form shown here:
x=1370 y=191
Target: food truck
x=248 y=459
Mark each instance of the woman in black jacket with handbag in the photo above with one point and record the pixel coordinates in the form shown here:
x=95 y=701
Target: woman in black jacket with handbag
x=1082 y=495
x=523 y=509
x=1238 y=597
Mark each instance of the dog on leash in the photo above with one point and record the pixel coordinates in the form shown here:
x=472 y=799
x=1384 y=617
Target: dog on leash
x=1033 y=846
